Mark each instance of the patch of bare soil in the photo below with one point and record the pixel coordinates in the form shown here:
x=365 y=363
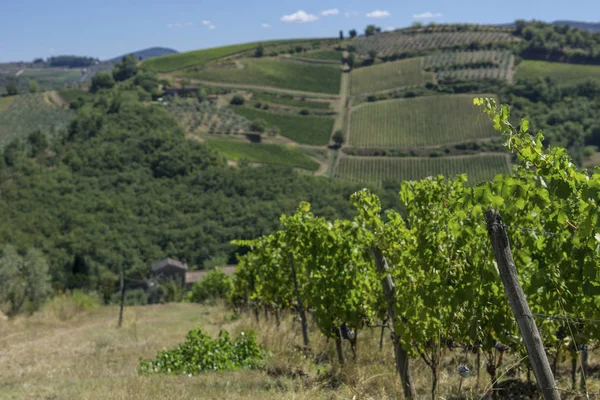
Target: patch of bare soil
x=54 y=99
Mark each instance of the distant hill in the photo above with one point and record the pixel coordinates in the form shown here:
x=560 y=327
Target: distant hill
x=589 y=26
x=147 y=53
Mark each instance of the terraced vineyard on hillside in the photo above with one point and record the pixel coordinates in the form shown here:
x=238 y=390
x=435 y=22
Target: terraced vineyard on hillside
x=389 y=75
x=54 y=78
x=561 y=73
x=302 y=129
x=180 y=61
x=457 y=59
x=207 y=117
x=386 y=44
x=421 y=121
x=289 y=101
x=27 y=113
x=274 y=72
x=264 y=153
x=333 y=55
x=375 y=170
x=470 y=65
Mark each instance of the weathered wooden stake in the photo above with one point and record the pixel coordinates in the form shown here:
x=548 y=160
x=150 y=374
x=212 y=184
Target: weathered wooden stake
x=338 y=347
x=246 y=302
x=300 y=303
x=266 y=313
x=382 y=333
x=574 y=371
x=122 y=299
x=478 y=366
x=402 y=359
x=520 y=308
x=583 y=376
x=277 y=316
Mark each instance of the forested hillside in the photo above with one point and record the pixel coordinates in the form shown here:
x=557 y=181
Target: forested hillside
x=390 y=191
x=122 y=186
x=181 y=155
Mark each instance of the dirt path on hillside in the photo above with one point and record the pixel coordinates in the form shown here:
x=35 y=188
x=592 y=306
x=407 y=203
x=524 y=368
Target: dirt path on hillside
x=254 y=87
x=339 y=122
x=53 y=98
x=323 y=167
x=340 y=105
x=309 y=60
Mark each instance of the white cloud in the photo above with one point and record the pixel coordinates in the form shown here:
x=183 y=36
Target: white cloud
x=333 y=11
x=180 y=25
x=390 y=28
x=265 y=25
x=206 y=22
x=427 y=15
x=299 y=16
x=350 y=14
x=212 y=27
x=378 y=14
x=51 y=50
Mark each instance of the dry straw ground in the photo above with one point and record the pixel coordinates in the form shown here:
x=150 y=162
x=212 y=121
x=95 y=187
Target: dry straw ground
x=87 y=357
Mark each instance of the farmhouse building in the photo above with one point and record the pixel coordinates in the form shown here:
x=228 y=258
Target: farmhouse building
x=169 y=268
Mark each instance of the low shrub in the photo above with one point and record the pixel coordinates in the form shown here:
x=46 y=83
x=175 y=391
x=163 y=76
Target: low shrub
x=135 y=297
x=200 y=353
x=65 y=306
x=237 y=100
x=86 y=301
x=215 y=285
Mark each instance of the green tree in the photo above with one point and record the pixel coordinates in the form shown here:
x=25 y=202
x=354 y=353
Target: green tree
x=12 y=88
x=126 y=69
x=260 y=51
x=38 y=142
x=215 y=285
x=260 y=125
x=370 y=30
x=237 y=100
x=24 y=281
x=350 y=60
x=338 y=138
x=373 y=54
x=102 y=80
x=148 y=81
x=352 y=33
x=34 y=87
x=341 y=35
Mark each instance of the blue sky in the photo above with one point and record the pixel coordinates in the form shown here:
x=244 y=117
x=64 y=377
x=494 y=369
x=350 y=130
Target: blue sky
x=108 y=28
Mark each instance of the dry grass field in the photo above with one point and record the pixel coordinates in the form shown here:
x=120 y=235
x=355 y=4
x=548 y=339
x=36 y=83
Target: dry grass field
x=87 y=357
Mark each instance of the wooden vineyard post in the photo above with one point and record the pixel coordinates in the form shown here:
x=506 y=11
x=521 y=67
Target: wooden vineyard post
x=338 y=347
x=246 y=302
x=277 y=315
x=583 y=376
x=266 y=313
x=122 y=299
x=300 y=303
x=519 y=306
x=402 y=359
x=256 y=312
